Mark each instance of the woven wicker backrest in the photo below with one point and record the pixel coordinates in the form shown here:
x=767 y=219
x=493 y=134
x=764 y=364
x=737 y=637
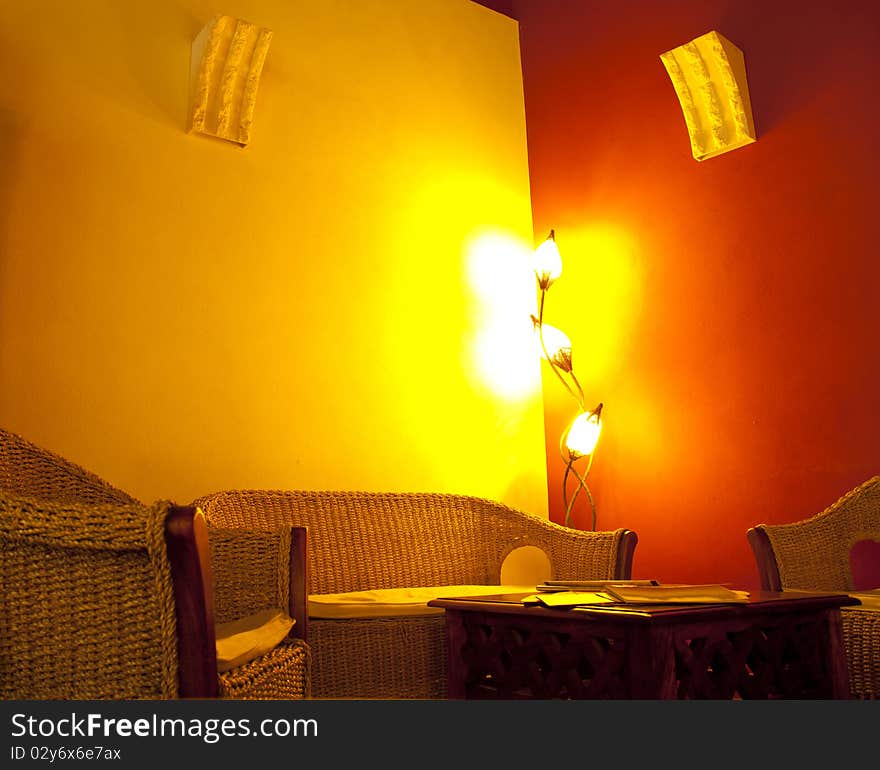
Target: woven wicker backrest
x=87 y=602
x=265 y=584
x=27 y=470
x=814 y=553
x=365 y=540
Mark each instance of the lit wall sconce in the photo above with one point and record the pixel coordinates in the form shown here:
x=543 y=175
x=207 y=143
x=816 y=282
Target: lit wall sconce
x=709 y=77
x=579 y=439
x=225 y=68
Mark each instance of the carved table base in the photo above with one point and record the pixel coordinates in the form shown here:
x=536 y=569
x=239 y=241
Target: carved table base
x=779 y=645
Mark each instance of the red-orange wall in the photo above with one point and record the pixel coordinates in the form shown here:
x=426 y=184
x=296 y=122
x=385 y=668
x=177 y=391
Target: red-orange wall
x=743 y=326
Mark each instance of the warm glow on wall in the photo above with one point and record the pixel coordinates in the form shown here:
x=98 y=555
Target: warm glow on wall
x=652 y=434
x=455 y=342
x=600 y=298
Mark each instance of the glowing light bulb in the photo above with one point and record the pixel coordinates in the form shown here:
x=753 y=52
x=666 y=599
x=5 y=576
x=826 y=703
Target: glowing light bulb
x=547 y=262
x=557 y=344
x=582 y=435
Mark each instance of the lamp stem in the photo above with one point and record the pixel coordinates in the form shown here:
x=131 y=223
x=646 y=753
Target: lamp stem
x=565 y=491
x=582 y=484
x=550 y=360
x=570 y=504
x=580 y=389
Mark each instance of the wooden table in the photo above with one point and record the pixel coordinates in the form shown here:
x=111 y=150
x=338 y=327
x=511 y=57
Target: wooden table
x=778 y=645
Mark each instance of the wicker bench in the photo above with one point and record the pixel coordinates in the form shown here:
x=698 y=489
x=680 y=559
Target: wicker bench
x=361 y=541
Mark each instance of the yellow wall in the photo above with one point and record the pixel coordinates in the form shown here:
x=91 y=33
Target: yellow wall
x=181 y=315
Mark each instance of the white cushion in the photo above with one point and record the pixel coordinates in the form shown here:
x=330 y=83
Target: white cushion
x=870 y=600
x=244 y=640
x=397 y=602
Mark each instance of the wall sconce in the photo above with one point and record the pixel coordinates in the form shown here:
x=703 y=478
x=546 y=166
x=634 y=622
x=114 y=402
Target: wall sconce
x=225 y=68
x=579 y=439
x=709 y=77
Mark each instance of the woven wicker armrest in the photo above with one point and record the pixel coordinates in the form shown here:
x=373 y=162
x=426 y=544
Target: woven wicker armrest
x=88 y=583
x=255 y=570
x=582 y=555
x=111 y=527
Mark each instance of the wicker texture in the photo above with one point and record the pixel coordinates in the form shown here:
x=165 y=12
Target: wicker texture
x=813 y=554
x=282 y=674
x=27 y=470
x=366 y=540
x=88 y=606
x=386 y=658
x=251 y=571
x=861 y=638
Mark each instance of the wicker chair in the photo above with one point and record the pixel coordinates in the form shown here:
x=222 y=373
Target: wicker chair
x=814 y=554
x=106 y=598
x=361 y=541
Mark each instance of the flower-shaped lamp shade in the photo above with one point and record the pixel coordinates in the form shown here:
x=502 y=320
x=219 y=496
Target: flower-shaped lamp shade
x=583 y=433
x=547 y=262
x=556 y=347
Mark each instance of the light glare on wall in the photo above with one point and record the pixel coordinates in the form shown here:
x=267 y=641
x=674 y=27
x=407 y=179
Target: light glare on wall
x=500 y=280
x=709 y=77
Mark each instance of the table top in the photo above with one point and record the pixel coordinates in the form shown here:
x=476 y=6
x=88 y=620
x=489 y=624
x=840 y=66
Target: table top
x=758 y=601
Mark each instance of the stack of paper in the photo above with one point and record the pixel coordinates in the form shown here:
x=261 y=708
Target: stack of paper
x=570 y=598
x=680 y=594
x=638 y=592
x=589 y=585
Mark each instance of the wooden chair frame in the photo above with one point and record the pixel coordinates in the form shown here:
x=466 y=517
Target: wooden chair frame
x=765 y=558
x=186 y=535
x=625 y=552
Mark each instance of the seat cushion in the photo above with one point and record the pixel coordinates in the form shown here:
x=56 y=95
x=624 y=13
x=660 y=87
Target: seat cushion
x=870 y=600
x=247 y=639
x=397 y=602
